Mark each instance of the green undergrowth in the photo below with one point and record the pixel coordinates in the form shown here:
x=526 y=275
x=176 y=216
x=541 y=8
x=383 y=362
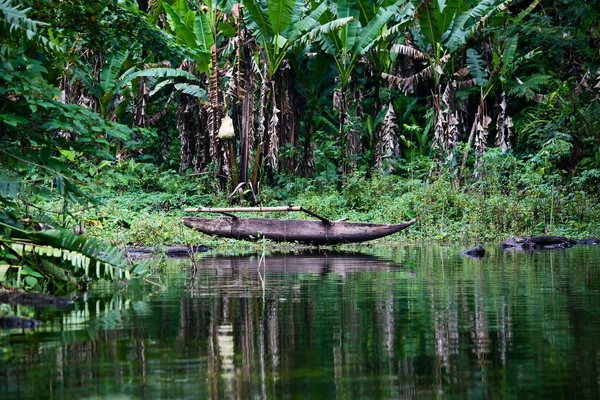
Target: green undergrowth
x=493 y=208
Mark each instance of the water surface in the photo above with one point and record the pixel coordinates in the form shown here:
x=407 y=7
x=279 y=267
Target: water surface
x=408 y=322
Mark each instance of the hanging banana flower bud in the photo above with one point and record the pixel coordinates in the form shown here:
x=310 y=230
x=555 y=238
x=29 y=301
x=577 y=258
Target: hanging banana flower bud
x=226 y=130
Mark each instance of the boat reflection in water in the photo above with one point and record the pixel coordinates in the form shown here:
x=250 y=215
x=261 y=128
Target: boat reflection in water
x=304 y=263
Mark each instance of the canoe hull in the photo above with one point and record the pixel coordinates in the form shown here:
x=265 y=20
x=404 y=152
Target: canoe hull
x=300 y=231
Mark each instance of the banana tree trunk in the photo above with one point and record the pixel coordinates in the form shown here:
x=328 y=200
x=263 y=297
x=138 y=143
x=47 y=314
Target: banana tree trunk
x=343 y=106
x=469 y=143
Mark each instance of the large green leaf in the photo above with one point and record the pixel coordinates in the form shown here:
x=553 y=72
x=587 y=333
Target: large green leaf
x=467 y=22
x=161 y=73
x=87 y=81
x=449 y=10
x=184 y=32
x=192 y=90
x=347 y=34
x=367 y=35
x=256 y=19
x=331 y=42
x=280 y=14
x=203 y=33
x=326 y=32
x=205 y=40
x=435 y=17
x=307 y=23
x=10 y=187
x=510 y=48
x=180 y=6
x=367 y=11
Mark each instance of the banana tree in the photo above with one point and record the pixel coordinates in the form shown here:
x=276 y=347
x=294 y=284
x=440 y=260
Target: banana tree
x=277 y=26
x=367 y=23
x=197 y=30
x=107 y=88
x=499 y=76
x=442 y=28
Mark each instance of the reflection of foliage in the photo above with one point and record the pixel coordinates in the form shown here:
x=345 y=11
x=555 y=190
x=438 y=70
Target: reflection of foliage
x=427 y=316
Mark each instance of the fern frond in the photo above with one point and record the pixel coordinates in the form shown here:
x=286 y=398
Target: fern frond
x=475 y=65
x=82 y=253
x=529 y=87
x=17 y=27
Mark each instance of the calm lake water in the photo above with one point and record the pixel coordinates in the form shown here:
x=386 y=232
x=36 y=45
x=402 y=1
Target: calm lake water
x=409 y=322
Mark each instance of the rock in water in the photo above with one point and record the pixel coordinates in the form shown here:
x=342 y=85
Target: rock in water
x=537 y=243
x=588 y=241
x=14 y=322
x=32 y=299
x=477 y=251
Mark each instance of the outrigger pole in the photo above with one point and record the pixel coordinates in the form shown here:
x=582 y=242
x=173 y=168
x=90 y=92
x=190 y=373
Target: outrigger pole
x=229 y=210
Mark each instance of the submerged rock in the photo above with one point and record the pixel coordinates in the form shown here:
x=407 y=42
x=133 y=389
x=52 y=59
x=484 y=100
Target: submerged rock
x=537 y=243
x=14 y=322
x=588 y=241
x=32 y=299
x=477 y=251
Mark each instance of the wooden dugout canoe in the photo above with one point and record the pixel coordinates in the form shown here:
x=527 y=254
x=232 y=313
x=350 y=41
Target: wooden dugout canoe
x=300 y=231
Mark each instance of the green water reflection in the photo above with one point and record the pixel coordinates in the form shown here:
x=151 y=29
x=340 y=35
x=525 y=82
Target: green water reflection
x=410 y=322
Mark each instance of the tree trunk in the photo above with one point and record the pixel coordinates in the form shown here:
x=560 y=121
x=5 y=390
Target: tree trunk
x=469 y=143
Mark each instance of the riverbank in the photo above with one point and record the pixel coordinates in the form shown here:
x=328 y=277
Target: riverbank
x=488 y=211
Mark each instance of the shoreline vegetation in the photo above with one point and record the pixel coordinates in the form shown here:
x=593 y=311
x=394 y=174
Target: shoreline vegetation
x=489 y=212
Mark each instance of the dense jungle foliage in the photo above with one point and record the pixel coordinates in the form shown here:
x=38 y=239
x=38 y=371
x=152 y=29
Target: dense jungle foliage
x=480 y=118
